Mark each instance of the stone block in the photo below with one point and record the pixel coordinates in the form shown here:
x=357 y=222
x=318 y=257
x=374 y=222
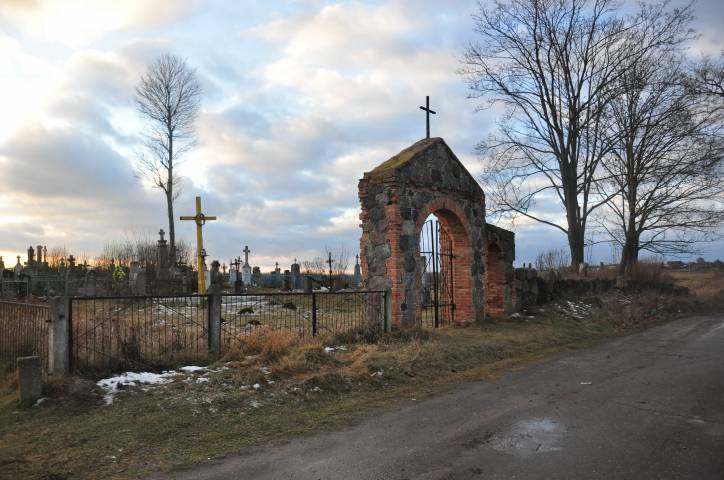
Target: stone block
x=30 y=379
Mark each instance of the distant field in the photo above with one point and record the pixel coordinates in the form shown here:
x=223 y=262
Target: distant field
x=703 y=283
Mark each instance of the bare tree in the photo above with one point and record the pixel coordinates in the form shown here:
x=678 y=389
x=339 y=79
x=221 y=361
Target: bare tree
x=552 y=260
x=553 y=65
x=56 y=256
x=168 y=98
x=707 y=77
x=665 y=167
x=340 y=260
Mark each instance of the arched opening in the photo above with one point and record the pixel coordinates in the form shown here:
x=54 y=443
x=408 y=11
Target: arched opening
x=494 y=281
x=443 y=272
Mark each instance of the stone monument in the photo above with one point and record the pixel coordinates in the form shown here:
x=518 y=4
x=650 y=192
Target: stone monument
x=246 y=268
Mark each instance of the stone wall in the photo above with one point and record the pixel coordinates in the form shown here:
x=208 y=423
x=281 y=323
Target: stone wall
x=536 y=288
x=396 y=199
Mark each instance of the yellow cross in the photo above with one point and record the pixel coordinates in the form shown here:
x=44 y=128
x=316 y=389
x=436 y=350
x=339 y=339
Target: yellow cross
x=200 y=220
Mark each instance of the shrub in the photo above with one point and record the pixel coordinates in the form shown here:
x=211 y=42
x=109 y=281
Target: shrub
x=553 y=259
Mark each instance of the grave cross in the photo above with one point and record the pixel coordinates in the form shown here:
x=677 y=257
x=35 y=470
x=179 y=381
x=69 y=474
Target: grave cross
x=200 y=220
x=427 y=113
x=246 y=255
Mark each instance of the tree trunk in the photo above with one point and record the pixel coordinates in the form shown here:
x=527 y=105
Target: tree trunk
x=171 y=231
x=576 y=232
x=630 y=252
x=169 y=202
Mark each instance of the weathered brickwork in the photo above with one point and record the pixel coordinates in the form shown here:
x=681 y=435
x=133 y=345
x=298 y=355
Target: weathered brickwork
x=500 y=275
x=397 y=197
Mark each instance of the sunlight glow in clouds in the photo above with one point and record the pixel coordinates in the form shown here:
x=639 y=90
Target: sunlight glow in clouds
x=300 y=98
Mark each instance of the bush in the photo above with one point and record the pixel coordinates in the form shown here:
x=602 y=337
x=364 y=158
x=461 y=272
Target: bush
x=552 y=260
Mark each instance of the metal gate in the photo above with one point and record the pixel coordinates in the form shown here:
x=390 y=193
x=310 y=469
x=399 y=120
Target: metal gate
x=438 y=302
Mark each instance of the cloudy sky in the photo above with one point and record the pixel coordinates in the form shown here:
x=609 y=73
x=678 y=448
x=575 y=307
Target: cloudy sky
x=300 y=98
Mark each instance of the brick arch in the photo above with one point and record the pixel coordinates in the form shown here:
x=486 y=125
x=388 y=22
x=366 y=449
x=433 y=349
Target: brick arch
x=396 y=199
x=453 y=220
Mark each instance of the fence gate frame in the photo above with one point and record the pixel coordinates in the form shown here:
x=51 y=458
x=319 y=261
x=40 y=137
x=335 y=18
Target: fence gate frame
x=437 y=274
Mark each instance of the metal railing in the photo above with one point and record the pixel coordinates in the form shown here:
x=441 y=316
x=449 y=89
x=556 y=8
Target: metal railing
x=155 y=332
x=132 y=332
x=23 y=332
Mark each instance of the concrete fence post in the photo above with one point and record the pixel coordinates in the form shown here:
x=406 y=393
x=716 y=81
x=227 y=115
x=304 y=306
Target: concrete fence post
x=59 y=336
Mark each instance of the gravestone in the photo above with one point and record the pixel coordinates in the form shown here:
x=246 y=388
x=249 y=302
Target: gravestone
x=18 y=269
x=357 y=279
x=256 y=276
x=39 y=255
x=296 y=272
x=2 y=264
x=31 y=257
x=246 y=270
x=139 y=284
x=287 y=286
x=163 y=260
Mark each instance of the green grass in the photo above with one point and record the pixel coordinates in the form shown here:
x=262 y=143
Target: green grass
x=73 y=435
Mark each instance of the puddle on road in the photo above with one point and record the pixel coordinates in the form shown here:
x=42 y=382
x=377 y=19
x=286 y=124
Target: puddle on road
x=528 y=437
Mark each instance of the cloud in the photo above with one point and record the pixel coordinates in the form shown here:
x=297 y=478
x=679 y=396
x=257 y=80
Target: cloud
x=77 y=23
x=295 y=108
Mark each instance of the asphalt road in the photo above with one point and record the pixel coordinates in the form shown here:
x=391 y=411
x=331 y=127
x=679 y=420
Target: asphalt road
x=647 y=406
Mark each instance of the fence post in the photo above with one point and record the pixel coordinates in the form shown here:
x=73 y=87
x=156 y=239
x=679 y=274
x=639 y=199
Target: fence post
x=387 y=318
x=59 y=336
x=314 y=314
x=214 y=298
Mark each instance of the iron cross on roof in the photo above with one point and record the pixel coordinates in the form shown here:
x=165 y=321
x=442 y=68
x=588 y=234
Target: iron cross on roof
x=427 y=113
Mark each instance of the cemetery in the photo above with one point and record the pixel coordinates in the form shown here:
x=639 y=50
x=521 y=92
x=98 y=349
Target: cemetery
x=203 y=152
x=160 y=314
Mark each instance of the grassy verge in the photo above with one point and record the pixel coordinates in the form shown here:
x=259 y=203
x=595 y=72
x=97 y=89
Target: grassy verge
x=273 y=387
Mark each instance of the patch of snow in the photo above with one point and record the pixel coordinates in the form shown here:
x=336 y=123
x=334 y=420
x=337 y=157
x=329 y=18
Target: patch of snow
x=191 y=369
x=110 y=385
x=202 y=380
x=40 y=401
x=257 y=386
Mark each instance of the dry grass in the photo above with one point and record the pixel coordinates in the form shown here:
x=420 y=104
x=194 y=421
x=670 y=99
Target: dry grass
x=707 y=286
x=269 y=344
x=276 y=385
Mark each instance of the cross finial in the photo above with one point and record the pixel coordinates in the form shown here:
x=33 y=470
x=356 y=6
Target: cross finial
x=356 y=259
x=427 y=110
x=161 y=233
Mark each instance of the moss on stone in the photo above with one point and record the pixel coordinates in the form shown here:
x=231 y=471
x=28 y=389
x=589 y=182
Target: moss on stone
x=403 y=157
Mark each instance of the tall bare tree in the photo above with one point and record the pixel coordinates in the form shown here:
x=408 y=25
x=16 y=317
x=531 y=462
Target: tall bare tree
x=553 y=65
x=665 y=170
x=168 y=98
x=707 y=78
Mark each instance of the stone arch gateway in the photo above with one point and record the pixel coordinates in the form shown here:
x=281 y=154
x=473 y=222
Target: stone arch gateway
x=396 y=199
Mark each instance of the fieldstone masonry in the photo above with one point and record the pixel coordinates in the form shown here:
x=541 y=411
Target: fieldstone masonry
x=397 y=197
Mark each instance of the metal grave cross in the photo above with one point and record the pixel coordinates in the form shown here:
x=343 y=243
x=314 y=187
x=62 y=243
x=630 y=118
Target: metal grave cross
x=427 y=113
x=200 y=220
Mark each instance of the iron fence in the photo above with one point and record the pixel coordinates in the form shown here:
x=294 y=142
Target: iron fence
x=23 y=332
x=307 y=314
x=136 y=332
x=155 y=332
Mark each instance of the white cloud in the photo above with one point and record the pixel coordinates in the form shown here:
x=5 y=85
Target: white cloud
x=77 y=23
